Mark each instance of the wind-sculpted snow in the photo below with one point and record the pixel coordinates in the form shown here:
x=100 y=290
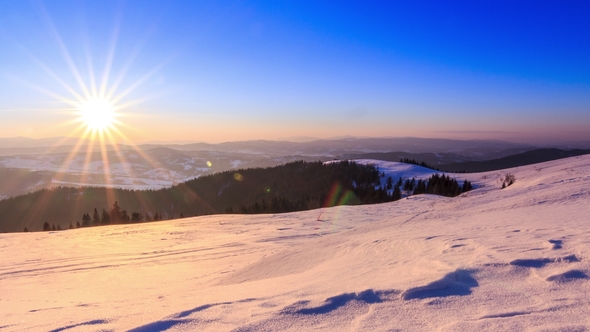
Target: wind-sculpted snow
x=492 y=259
x=457 y=283
x=69 y=327
x=368 y=297
x=568 y=276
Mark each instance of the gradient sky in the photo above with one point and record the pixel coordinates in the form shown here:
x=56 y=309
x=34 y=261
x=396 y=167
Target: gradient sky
x=223 y=71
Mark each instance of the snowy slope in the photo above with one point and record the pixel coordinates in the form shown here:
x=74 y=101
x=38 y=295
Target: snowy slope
x=489 y=260
x=395 y=170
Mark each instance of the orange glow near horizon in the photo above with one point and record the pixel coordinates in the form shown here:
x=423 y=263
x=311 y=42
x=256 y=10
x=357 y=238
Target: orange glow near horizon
x=96 y=110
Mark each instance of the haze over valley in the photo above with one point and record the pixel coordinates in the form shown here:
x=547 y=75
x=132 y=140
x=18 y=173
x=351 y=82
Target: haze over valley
x=301 y=165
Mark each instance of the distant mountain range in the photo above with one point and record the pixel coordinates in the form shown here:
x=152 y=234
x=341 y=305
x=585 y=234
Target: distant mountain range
x=521 y=159
x=32 y=164
x=25 y=142
x=454 y=163
x=348 y=143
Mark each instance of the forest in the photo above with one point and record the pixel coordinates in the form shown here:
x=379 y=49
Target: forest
x=291 y=187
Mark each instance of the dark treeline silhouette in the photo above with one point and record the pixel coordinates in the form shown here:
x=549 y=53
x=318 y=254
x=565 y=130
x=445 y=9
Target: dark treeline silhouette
x=291 y=187
x=442 y=185
x=342 y=195
x=295 y=186
x=436 y=184
x=116 y=215
x=419 y=163
x=364 y=194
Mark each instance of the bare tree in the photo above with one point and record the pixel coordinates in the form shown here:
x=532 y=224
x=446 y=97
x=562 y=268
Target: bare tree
x=508 y=180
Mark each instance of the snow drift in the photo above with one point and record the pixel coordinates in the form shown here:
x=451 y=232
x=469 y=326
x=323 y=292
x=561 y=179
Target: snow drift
x=491 y=259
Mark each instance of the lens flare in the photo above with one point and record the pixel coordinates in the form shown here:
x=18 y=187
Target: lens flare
x=337 y=196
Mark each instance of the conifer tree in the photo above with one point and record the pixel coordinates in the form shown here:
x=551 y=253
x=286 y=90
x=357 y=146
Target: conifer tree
x=389 y=184
x=420 y=187
x=125 y=217
x=397 y=194
x=86 y=220
x=467 y=186
x=407 y=185
x=95 y=218
x=136 y=217
x=116 y=214
x=105 y=218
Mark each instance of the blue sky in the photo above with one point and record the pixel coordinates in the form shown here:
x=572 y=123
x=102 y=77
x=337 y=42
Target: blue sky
x=222 y=71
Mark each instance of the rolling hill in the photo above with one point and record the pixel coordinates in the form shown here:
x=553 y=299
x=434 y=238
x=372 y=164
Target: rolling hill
x=491 y=259
x=520 y=159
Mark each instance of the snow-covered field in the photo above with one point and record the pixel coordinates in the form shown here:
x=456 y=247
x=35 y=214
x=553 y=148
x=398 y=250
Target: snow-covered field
x=514 y=259
x=120 y=182
x=403 y=170
x=126 y=175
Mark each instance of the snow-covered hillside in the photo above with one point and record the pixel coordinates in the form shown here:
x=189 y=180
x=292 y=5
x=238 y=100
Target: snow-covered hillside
x=395 y=170
x=156 y=168
x=491 y=259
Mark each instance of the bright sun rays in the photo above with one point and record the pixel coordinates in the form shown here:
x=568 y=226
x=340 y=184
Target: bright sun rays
x=98 y=107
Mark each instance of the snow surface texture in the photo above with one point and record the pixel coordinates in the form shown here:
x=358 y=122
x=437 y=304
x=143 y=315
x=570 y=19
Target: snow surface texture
x=492 y=259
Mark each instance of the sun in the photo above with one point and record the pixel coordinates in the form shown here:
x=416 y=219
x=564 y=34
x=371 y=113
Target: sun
x=97 y=114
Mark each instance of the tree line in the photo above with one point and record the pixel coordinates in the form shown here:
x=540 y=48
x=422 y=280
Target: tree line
x=115 y=215
x=418 y=163
x=436 y=184
x=291 y=187
x=304 y=184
